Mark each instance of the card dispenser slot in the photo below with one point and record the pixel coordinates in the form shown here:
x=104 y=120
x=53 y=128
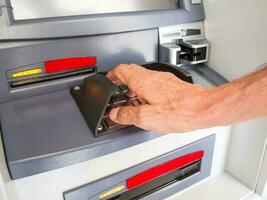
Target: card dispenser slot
x=159 y=183
x=43 y=79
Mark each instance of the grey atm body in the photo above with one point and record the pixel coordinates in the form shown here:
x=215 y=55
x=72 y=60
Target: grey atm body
x=41 y=126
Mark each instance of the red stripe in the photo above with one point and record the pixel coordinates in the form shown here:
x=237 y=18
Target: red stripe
x=163 y=169
x=65 y=64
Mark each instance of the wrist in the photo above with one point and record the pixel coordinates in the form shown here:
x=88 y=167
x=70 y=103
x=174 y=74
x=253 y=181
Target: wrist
x=221 y=105
x=208 y=111
x=196 y=109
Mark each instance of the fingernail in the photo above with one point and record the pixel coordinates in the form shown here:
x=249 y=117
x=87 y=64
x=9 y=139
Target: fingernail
x=113 y=113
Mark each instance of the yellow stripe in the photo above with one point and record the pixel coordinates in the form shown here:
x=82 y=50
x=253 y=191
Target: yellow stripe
x=111 y=192
x=27 y=73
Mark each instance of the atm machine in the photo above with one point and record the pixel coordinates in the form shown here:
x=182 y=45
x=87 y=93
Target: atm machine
x=58 y=144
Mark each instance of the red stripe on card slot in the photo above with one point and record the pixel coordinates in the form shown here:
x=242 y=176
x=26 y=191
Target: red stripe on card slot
x=163 y=169
x=53 y=66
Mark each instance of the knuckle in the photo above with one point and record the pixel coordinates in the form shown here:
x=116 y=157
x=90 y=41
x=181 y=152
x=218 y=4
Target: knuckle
x=120 y=67
x=169 y=75
x=134 y=65
x=135 y=68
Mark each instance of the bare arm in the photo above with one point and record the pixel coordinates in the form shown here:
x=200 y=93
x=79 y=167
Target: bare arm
x=171 y=105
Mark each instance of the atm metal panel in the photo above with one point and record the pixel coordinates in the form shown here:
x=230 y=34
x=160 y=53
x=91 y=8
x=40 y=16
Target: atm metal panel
x=83 y=25
x=32 y=9
x=92 y=191
x=47 y=132
x=110 y=50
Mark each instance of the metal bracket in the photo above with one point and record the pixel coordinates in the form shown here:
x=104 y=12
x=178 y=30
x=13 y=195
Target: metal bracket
x=5 y=9
x=5 y=6
x=1 y=10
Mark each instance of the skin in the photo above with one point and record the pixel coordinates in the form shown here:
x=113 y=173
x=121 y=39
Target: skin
x=172 y=105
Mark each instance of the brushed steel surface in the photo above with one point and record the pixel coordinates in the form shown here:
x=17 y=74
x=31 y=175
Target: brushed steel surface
x=33 y=9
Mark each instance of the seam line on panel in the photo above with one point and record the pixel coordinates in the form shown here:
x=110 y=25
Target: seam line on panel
x=261 y=165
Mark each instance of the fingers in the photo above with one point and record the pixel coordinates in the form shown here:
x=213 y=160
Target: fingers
x=143 y=116
x=130 y=75
x=119 y=74
x=129 y=115
x=131 y=94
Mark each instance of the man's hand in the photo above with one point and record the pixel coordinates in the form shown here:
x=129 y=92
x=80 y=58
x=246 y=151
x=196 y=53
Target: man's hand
x=168 y=103
x=172 y=105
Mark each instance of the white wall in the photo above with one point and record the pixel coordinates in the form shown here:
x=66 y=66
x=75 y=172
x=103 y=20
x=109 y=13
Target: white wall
x=262 y=184
x=237 y=30
x=246 y=151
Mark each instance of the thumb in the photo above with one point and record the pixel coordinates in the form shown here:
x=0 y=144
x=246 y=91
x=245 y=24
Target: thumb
x=126 y=115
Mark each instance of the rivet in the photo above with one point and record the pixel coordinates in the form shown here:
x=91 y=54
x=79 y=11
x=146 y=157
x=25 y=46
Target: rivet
x=77 y=88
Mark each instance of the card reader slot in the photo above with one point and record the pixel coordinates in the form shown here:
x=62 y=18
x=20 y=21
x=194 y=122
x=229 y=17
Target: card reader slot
x=30 y=81
x=159 y=183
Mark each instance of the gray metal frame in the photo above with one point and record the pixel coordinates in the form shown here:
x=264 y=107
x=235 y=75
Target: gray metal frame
x=110 y=51
x=92 y=190
x=32 y=9
x=93 y=24
x=47 y=132
x=42 y=128
x=210 y=74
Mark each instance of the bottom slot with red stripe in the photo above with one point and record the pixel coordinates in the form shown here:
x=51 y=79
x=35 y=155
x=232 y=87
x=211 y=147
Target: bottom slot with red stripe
x=160 y=176
x=154 y=179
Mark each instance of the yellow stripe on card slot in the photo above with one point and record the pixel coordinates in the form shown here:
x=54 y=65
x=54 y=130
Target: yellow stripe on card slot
x=111 y=192
x=27 y=73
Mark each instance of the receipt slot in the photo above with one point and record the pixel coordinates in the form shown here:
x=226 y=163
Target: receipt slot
x=155 y=179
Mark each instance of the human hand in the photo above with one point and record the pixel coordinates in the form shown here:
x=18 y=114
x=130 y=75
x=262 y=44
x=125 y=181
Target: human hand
x=168 y=103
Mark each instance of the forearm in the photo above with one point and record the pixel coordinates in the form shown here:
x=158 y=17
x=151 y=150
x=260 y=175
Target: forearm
x=172 y=105
x=240 y=100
